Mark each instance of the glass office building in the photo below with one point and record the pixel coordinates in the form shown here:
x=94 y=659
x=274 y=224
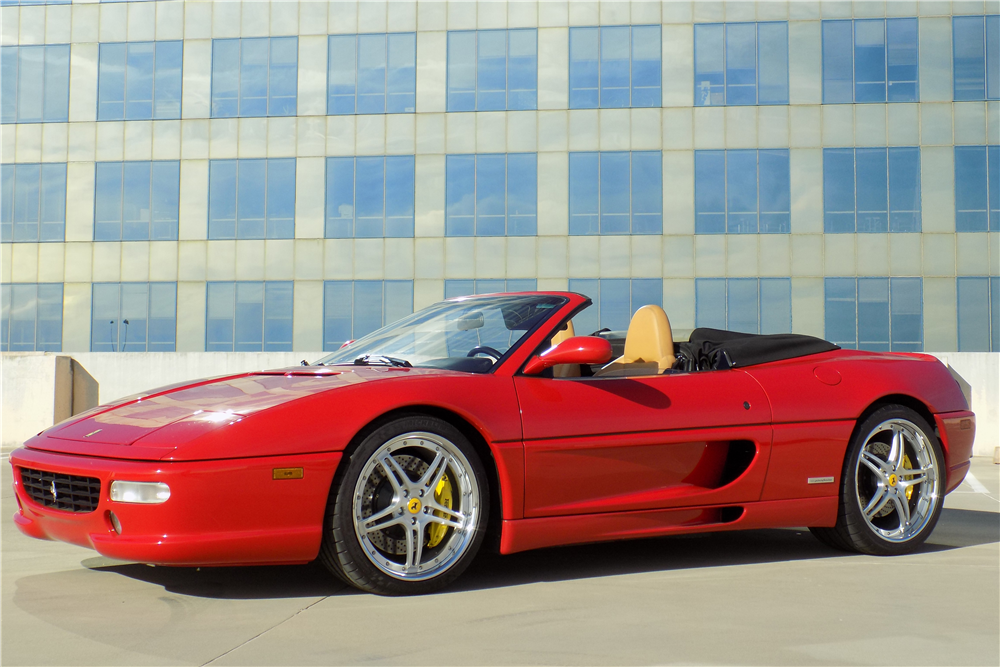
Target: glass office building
x=240 y=176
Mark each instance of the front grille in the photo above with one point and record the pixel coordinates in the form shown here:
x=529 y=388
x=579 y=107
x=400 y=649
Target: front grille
x=72 y=493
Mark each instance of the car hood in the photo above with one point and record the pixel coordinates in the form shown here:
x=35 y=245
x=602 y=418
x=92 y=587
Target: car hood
x=193 y=409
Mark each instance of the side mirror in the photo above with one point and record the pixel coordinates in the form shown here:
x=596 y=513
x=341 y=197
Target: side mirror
x=575 y=350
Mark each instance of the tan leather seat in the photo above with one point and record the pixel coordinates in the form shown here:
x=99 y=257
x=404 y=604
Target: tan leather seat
x=565 y=370
x=649 y=345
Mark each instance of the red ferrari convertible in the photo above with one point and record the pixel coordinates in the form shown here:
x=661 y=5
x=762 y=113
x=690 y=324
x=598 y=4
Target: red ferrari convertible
x=391 y=459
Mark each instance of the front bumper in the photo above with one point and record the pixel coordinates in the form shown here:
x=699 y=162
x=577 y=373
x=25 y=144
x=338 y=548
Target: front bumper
x=225 y=512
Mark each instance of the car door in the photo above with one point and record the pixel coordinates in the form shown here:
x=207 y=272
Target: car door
x=632 y=443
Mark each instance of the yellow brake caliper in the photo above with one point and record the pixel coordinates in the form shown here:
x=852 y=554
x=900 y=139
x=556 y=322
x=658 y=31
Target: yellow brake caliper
x=442 y=495
x=908 y=466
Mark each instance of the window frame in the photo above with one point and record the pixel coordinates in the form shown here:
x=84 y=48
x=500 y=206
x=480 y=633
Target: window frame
x=890 y=344
x=154 y=180
x=120 y=331
x=409 y=221
x=331 y=111
x=827 y=98
x=154 y=76
x=271 y=230
x=784 y=226
x=277 y=300
x=599 y=188
x=452 y=161
x=600 y=60
x=241 y=74
x=6 y=319
x=992 y=309
x=584 y=319
x=9 y=202
x=385 y=314
x=725 y=85
x=729 y=285
x=895 y=214
x=13 y=103
x=451 y=106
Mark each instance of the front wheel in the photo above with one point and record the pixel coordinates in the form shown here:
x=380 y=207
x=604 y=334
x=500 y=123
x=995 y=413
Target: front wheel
x=411 y=509
x=891 y=486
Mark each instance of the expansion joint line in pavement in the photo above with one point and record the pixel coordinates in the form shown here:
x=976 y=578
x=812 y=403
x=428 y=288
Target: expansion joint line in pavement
x=263 y=632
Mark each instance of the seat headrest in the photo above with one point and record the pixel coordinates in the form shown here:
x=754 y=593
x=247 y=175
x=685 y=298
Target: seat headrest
x=649 y=338
x=563 y=334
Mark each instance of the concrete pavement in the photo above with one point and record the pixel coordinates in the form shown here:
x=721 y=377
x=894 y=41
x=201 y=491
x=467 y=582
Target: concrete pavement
x=763 y=597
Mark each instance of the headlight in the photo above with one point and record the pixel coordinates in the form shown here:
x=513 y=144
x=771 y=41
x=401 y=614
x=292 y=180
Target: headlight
x=139 y=492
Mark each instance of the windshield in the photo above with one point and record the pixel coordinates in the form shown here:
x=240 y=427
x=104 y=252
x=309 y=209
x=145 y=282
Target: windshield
x=468 y=334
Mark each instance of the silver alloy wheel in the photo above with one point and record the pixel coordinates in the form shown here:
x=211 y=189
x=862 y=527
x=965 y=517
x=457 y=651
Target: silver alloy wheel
x=405 y=528
x=897 y=480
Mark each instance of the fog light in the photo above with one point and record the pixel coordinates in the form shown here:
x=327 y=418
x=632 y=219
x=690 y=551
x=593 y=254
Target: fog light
x=114 y=522
x=139 y=492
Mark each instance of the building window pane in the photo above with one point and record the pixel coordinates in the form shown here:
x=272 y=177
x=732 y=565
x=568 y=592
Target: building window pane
x=372 y=74
x=872 y=176
x=742 y=192
x=353 y=309
x=492 y=70
x=904 y=190
x=254 y=77
x=457 y=288
x=616 y=193
x=35 y=84
x=838 y=62
x=615 y=301
x=871 y=190
x=970 y=57
x=741 y=64
x=879 y=314
x=140 y=81
x=133 y=317
x=136 y=201
x=369 y=197
x=772 y=62
x=34 y=202
x=842 y=311
x=615 y=67
x=906 y=310
x=902 y=60
x=249 y=316
x=971 y=191
x=491 y=195
x=32 y=317
x=870 y=60
x=748 y=305
x=251 y=199
x=976 y=317
x=584 y=69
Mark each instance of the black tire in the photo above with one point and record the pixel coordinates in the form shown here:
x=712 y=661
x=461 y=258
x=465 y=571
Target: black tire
x=436 y=459
x=885 y=510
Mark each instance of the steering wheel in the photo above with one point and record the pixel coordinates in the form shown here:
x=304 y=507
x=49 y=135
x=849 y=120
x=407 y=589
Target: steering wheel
x=488 y=351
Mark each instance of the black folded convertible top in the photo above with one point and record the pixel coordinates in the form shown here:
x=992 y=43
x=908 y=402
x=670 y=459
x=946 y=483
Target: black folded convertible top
x=717 y=349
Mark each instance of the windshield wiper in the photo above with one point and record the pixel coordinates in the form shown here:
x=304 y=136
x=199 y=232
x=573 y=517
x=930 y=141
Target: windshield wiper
x=381 y=360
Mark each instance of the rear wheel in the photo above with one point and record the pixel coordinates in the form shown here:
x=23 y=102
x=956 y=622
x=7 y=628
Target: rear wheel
x=891 y=486
x=411 y=509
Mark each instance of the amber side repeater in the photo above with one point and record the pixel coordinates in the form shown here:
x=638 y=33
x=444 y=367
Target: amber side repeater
x=286 y=473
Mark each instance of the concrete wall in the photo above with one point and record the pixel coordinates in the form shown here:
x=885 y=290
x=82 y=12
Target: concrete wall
x=39 y=389
x=981 y=370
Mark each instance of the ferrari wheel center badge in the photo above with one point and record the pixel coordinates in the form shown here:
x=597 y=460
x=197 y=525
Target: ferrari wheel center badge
x=892 y=480
x=414 y=506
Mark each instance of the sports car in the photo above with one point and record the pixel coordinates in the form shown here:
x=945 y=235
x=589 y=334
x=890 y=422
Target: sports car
x=487 y=420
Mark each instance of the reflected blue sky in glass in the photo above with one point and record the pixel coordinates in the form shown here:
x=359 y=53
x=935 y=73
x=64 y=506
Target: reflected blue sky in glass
x=33 y=202
x=31 y=317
